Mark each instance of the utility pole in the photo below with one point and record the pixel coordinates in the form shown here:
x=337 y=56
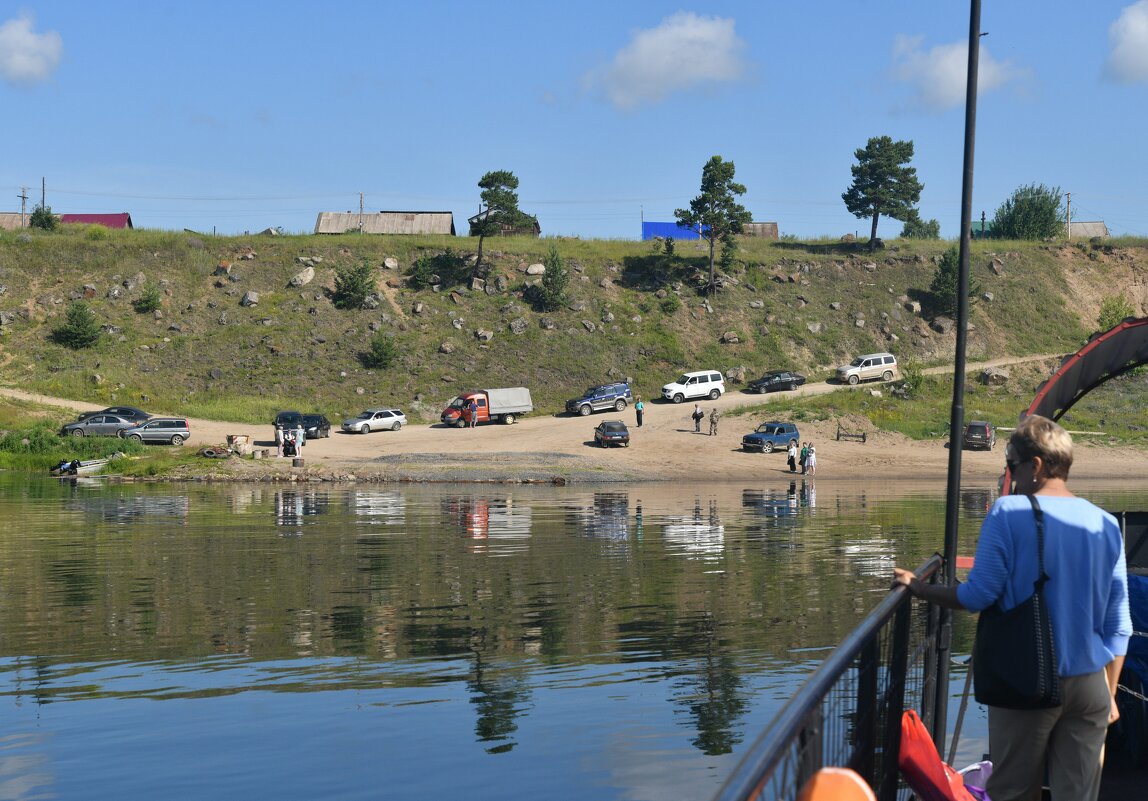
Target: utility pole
x=23 y=204
x=360 y=212
x=982 y=224
x=1068 y=214
x=43 y=193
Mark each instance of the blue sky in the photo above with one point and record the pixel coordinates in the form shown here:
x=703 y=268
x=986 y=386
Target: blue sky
x=245 y=115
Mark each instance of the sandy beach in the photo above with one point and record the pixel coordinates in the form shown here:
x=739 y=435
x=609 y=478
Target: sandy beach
x=560 y=449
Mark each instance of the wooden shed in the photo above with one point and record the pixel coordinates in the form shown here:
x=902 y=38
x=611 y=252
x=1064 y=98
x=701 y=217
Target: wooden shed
x=11 y=221
x=385 y=222
x=763 y=230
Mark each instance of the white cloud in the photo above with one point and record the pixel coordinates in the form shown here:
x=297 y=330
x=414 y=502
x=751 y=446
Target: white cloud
x=1128 y=59
x=938 y=76
x=27 y=57
x=684 y=52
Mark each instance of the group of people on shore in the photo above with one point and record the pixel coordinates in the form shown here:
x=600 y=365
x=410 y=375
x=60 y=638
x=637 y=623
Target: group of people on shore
x=288 y=442
x=806 y=458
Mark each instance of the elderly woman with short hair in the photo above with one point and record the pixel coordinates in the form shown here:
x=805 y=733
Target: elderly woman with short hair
x=1087 y=597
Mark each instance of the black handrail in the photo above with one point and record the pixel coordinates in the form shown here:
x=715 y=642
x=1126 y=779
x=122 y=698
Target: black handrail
x=764 y=756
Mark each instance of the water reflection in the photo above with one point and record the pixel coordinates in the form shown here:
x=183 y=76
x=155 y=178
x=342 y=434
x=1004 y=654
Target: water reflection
x=620 y=620
x=293 y=505
x=697 y=536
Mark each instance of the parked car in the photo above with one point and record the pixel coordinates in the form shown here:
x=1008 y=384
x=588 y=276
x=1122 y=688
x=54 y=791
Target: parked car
x=601 y=398
x=316 y=426
x=98 y=425
x=127 y=412
x=612 y=432
x=979 y=435
x=869 y=366
x=776 y=380
x=700 y=384
x=376 y=420
x=173 y=430
x=770 y=436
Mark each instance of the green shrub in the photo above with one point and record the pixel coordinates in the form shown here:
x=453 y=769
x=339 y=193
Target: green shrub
x=42 y=217
x=1113 y=310
x=383 y=352
x=80 y=328
x=670 y=303
x=96 y=233
x=353 y=285
x=150 y=301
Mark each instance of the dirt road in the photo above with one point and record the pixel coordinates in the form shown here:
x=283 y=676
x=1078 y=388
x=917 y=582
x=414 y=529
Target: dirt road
x=666 y=448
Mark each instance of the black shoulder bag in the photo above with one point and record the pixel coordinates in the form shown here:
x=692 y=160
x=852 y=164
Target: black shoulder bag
x=1014 y=656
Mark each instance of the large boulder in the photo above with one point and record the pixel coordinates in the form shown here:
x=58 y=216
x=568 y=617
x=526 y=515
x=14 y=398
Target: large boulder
x=303 y=277
x=995 y=376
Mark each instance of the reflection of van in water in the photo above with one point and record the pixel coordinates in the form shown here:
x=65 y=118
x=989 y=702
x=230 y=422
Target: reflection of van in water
x=701 y=384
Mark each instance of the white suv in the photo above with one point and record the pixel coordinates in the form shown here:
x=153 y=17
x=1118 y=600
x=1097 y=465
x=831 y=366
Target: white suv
x=702 y=384
x=864 y=368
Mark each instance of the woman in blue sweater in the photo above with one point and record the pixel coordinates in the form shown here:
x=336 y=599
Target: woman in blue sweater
x=1087 y=597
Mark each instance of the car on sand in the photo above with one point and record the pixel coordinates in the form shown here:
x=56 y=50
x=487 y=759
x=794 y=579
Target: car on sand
x=612 y=432
x=375 y=420
x=771 y=436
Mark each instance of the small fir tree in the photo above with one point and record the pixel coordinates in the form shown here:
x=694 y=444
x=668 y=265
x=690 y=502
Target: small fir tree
x=554 y=281
x=944 y=291
x=353 y=285
x=149 y=301
x=382 y=353
x=80 y=328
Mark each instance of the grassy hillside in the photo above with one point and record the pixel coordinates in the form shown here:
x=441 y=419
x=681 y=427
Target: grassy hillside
x=633 y=312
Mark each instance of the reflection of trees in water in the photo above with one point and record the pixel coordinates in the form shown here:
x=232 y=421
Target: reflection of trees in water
x=499 y=697
x=707 y=684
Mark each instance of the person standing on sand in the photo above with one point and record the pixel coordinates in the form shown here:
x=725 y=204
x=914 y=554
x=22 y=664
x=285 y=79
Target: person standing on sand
x=639 y=408
x=473 y=409
x=698 y=415
x=791 y=455
x=300 y=436
x=804 y=457
x=812 y=460
x=714 y=417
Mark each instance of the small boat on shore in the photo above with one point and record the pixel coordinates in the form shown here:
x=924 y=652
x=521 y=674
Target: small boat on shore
x=76 y=467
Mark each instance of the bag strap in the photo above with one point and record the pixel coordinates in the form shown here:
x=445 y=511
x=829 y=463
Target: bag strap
x=1038 y=513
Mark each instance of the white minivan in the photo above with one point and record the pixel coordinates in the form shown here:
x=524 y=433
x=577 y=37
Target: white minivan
x=869 y=366
x=701 y=384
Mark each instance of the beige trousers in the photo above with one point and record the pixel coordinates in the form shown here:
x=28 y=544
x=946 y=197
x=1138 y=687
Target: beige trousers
x=1067 y=739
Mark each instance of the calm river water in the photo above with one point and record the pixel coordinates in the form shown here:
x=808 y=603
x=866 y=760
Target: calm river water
x=479 y=642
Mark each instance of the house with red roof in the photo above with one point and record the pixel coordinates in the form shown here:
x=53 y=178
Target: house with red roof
x=123 y=220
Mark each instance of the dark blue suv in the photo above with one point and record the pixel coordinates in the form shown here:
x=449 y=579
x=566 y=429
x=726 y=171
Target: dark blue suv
x=768 y=436
x=601 y=398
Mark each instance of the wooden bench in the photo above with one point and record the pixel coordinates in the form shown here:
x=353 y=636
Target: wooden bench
x=843 y=434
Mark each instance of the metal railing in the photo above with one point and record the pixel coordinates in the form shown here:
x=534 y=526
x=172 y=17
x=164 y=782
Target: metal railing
x=848 y=712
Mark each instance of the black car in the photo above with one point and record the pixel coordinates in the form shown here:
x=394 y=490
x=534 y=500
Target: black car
x=979 y=435
x=316 y=426
x=776 y=380
x=126 y=412
x=600 y=398
x=612 y=432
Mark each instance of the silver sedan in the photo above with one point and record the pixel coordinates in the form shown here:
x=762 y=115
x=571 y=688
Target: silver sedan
x=98 y=425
